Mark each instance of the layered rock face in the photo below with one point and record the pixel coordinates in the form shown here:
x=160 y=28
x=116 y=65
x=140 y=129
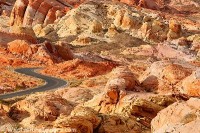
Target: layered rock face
x=30 y=13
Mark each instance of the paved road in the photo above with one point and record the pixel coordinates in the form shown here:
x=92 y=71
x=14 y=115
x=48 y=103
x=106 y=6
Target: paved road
x=51 y=83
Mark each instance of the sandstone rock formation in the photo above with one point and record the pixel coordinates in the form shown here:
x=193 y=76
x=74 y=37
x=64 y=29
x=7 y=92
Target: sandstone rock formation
x=111 y=18
x=132 y=66
x=5 y=8
x=162 y=76
x=7 y=37
x=175 y=6
x=6 y=123
x=41 y=109
x=74 y=124
x=33 y=12
x=45 y=52
x=134 y=107
x=121 y=80
x=179 y=117
x=151 y=4
x=81 y=119
x=79 y=69
x=30 y=13
x=76 y=95
x=18 y=47
x=191 y=84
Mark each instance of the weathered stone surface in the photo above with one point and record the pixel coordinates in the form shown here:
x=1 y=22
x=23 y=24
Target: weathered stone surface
x=89 y=114
x=19 y=47
x=191 y=84
x=41 y=109
x=7 y=37
x=162 y=75
x=78 y=69
x=32 y=12
x=6 y=123
x=179 y=117
x=45 y=52
x=76 y=123
x=174 y=30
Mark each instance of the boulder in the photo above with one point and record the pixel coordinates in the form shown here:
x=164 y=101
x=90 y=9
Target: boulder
x=41 y=109
x=191 y=84
x=74 y=124
x=179 y=117
x=87 y=113
x=126 y=74
x=161 y=76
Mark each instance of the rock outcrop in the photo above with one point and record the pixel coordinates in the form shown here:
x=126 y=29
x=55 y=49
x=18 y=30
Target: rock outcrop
x=44 y=52
x=79 y=69
x=48 y=109
x=151 y=4
x=32 y=12
x=7 y=37
x=162 y=76
x=81 y=119
x=113 y=18
x=5 y=8
x=179 y=117
x=174 y=6
x=121 y=80
x=191 y=84
x=6 y=123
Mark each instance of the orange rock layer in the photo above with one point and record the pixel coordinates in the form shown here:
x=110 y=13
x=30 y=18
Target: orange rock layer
x=32 y=12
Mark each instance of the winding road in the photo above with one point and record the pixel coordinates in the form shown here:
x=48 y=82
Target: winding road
x=51 y=83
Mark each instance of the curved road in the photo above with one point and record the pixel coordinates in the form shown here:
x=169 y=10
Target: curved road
x=51 y=83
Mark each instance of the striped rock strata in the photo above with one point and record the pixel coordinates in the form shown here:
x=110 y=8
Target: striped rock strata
x=32 y=12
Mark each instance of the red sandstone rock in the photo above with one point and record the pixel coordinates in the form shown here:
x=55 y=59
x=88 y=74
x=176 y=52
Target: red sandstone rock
x=79 y=69
x=18 y=46
x=32 y=12
x=45 y=52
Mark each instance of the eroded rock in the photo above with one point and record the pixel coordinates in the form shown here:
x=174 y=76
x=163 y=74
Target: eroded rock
x=179 y=117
